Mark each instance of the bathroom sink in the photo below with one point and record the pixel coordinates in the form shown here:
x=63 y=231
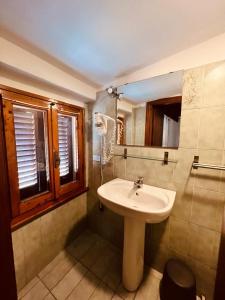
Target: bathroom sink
x=146 y=204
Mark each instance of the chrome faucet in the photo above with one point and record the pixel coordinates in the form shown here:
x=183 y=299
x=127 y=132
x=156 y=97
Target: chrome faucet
x=139 y=182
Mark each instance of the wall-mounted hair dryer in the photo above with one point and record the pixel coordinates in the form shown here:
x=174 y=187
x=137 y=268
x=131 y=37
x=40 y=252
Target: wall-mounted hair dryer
x=107 y=133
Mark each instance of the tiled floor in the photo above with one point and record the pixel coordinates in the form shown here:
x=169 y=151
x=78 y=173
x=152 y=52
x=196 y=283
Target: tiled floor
x=90 y=268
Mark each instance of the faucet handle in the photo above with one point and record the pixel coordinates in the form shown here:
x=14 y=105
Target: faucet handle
x=140 y=178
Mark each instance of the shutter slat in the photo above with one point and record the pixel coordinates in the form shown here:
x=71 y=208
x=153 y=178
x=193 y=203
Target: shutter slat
x=63 y=132
x=25 y=147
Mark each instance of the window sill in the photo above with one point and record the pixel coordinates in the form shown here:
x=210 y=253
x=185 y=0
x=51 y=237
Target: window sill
x=43 y=209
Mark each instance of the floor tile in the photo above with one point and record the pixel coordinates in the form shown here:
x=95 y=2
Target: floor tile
x=63 y=289
x=82 y=244
x=28 y=287
x=116 y=297
x=38 y=292
x=113 y=276
x=49 y=297
x=94 y=253
x=102 y=263
x=58 y=271
x=85 y=287
x=124 y=294
x=149 y=288
x=103 y=292
x=63 y=255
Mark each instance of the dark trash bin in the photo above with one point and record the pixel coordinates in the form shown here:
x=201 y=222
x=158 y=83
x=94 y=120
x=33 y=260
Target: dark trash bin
x=178 y=282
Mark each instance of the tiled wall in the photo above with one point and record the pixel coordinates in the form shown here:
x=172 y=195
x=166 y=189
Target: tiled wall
x=192 y=232
x=38 y=242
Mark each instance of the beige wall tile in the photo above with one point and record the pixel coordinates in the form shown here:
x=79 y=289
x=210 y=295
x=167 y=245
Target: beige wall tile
x=207 y=209
x=19 y=258
x=205 y=178
x=189 y=128
x=119 y=167
x=183 y=201
x=214 y=92
x=183 y=172
x=212 y=128
x=179 y=239
x=192 y=92
x=41 y=240
x=203 y=245
x=205 y=278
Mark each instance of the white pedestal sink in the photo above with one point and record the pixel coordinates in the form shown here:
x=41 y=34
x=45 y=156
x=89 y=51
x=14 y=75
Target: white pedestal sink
x=147 y=204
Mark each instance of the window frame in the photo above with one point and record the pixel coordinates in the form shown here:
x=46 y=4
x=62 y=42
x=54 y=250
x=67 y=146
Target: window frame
x=24 y=211
x=68 y=189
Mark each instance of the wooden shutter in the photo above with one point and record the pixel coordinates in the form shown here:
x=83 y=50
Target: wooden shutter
x=24 y=124
x=68 y=143
x=64 y=145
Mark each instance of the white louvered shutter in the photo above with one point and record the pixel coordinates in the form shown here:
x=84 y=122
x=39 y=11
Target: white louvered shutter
x=63 y=135
x=24 y=122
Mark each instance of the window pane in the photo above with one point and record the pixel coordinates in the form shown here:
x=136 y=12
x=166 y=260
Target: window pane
x=31 y=150
x=68 y=148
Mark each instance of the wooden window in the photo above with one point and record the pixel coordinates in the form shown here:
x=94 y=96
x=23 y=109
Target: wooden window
x=45 y=153
x=68 y=143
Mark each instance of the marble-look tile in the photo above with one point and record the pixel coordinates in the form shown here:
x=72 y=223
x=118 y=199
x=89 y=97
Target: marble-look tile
x=212 y=128
x=183 y=201
x=203 y=245
x=179 y=235
x=189 y=128
x=192 y=91
x=33 y=243
x=207 y=209
x=214 y=84
x=64 y=287
x=19 y=258
x=85 y=287
x=206 y=178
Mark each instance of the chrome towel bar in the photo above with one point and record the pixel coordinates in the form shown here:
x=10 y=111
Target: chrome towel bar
x=196 y=165
x=165 y=159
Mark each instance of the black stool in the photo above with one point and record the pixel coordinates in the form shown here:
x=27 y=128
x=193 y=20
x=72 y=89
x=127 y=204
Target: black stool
x=178 y=282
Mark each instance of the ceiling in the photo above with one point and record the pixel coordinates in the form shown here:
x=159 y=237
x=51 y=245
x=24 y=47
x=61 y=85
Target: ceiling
x=105 y=39
x=154 y=88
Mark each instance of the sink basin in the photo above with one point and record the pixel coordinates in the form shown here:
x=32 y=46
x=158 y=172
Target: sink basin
x=150 y=204
x=147 y=204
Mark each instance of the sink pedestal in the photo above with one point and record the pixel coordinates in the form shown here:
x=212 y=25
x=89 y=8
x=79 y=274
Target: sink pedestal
x=133 y=253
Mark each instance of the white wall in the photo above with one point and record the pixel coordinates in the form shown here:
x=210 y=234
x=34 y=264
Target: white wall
x=24 y=61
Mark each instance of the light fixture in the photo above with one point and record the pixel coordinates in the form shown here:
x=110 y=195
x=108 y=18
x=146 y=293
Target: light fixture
x=112 y=91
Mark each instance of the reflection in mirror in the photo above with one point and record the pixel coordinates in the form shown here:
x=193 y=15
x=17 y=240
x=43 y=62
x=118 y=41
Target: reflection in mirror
x=149 y=112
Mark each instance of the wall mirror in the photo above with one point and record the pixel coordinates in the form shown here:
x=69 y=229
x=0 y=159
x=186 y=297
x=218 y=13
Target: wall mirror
x=148 y=114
